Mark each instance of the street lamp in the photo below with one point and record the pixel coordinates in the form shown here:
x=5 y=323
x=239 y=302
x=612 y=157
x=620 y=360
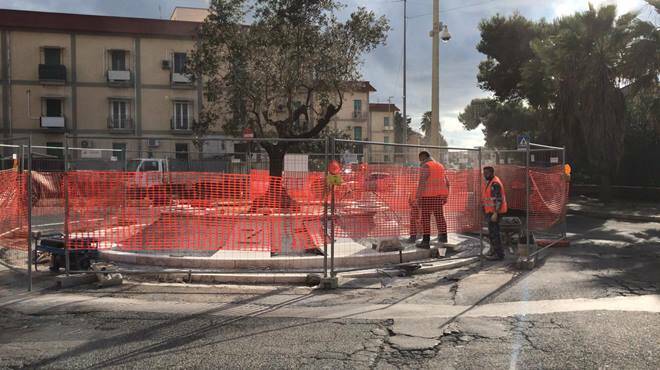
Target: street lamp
x=440 y=31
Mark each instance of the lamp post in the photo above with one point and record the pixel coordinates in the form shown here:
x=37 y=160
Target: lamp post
x=439 y=31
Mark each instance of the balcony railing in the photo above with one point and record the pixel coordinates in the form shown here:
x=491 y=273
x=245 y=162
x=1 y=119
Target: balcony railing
x=52 y=122
x=52 y=73
x=120 y=124
x=119 y=76
x=358 y=115
x=180 y=78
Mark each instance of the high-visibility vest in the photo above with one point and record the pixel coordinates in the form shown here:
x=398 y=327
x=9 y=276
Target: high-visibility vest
x=489 y=200
x=436 y=185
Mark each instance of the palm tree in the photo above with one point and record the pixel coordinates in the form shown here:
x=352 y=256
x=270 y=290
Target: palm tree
x=590 y=56
x=425 y=126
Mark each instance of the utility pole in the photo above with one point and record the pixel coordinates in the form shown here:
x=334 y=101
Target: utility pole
x=435 y=78
x=405 y=30
x=439 y=31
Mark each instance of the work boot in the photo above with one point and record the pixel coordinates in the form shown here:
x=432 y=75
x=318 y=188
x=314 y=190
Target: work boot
x=442 y=238
x=494 y=257
x=412 y=239
x=425 y=243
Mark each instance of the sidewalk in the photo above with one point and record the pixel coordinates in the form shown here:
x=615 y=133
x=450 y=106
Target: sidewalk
x=620 y=210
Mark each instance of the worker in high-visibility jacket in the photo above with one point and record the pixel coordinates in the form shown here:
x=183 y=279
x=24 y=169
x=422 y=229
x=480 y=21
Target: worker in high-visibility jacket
x=431 y=196
x=494 y=201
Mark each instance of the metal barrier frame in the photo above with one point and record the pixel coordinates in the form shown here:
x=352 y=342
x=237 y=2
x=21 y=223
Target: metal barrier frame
x=528 y=151
x=329 y=206
x=28 y=195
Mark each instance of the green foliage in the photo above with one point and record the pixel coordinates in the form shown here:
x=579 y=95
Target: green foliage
x=425 y=126
x=562 y=83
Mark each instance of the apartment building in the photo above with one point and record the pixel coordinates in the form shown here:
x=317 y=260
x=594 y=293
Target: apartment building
x=116 y=78
x=110 y=77
x=382 y=130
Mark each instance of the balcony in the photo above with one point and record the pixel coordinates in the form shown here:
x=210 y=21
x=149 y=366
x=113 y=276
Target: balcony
x=358 y=116
x=180 y=78
x=119 y=76
x=52 y=73
x=123 y=125
x=52 y=122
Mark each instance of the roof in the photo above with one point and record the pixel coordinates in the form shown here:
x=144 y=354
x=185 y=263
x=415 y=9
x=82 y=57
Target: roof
x=363 y=86
x=65 y=22
x=383 y=107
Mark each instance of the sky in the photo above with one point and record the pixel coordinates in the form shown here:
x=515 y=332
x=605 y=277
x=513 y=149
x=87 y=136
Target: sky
x=459 y=58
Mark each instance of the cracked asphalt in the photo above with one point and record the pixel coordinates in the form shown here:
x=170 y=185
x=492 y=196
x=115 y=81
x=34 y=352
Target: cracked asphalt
x=607 y=260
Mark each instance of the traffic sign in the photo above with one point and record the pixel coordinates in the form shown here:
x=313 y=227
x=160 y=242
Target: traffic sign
x=523 y=141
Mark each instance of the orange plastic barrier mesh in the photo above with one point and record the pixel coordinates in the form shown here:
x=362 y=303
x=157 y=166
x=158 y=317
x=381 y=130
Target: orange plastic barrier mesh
x=211 y=212
x=13 y=218
x=47 y=196
x=195 y=211
x=379 y=202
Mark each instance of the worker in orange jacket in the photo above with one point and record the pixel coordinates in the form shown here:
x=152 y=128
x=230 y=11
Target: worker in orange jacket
x=494 y=201
x=431 y=196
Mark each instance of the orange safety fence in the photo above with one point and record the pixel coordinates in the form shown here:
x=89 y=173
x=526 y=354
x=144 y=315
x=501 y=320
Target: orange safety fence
x=379 y=202
x=13 y=218
x=210 y=212
x=193 y=211
x=548 y=194
x=47 y=194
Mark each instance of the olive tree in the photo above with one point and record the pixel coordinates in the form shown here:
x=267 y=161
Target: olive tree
x=280 y=67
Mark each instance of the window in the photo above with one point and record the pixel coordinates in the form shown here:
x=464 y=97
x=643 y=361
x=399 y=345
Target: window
x=52 y=149
x=119 y=151
x=357 y=105
x=119 y=117
x=181 y=118
x=180 y=60
x=52 y=56
x=181 y=151
x=386 y=158
x=118 y=60
x=386 y=139
x=149 y=166
x=357 y=133
x=386 y=121
x=53 y=107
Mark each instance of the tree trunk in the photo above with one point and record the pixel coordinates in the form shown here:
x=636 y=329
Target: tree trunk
x=276 y=196
x=605 y=187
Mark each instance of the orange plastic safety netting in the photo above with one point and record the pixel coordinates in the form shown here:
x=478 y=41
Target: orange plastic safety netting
x=380 y=202
x=13 y=218
x=548 y=193
x=194 y=211
x=210 y=212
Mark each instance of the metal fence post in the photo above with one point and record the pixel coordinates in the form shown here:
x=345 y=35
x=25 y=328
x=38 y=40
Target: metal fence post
x=325 y=210
x=566 y=184
x=332 y=220
x=477 y=196
x=527 y=174
x=67 y=261
x=29 y=213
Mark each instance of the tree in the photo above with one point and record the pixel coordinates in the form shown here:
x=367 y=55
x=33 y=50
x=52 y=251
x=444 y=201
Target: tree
x=502 y=122
x=284 y=73
x=425 y=126
x=569 y=75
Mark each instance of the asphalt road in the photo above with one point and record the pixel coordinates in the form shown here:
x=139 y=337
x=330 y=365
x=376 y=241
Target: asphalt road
x=467 y=318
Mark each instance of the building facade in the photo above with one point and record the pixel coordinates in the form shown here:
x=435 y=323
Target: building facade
x=108 y=77
x=116 y=82
x=382 y=130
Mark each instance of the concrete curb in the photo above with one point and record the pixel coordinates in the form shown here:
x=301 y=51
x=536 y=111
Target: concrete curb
x=427 y=268
x=614 y=216
x=301 y=278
